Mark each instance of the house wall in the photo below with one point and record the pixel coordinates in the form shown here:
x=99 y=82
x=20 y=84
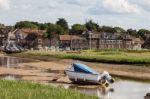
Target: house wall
x=79 y=44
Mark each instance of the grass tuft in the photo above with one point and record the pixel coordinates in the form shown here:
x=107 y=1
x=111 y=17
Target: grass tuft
x=27 y=90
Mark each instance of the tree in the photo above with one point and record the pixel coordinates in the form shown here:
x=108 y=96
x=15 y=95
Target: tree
x=107 y=29
x=119 y=30
x=63 y=23
x=54 y=30
x=44 y=26
x=132 y=32
x=1 y=25
x=78 y=29
x=142 y=33
x=26 y=25
x=92 y=26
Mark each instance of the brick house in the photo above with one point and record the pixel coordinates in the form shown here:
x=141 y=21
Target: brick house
x=34 y=39
x=100 y=41
x=74 y=42
x=3 y=35
x=26 y=38
x=114 y=41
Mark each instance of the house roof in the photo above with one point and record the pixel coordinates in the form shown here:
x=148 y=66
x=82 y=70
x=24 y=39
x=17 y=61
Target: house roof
x=69 y=37
x=39 y=32
x=135 y=39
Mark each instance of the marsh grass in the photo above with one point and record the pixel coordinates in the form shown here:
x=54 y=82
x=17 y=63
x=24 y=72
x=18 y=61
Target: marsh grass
x=27 y=90
x=114 y=56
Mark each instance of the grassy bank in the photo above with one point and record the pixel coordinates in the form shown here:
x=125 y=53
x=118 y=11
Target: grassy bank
x=110 y=56
x=26 y=90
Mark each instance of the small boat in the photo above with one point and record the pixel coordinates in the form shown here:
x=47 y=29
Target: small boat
x=82 y=74
x=12 y=47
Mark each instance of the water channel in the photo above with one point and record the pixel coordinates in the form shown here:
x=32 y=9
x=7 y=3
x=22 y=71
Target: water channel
x=121 y=89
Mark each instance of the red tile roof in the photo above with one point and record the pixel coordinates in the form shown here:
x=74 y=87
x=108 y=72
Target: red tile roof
x=68 y=37
x=33 y=31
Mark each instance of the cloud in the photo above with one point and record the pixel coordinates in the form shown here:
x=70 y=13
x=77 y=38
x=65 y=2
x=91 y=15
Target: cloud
x=4 y=4
x=144 y=4
x=126 y=13
x=114 y=7
x=81 y=2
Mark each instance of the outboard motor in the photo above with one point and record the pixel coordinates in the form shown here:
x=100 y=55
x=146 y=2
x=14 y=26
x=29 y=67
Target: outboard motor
x=106 y=79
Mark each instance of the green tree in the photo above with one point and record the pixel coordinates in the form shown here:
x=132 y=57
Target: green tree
x=107 y=29
x=26 y=25
x=78 y=29
x=132 y=32
x=43 y=26
x=54 y=30
x=92 y=26
x=119 y=30
x=142 y=33
x=63 y=23
x=1 y=25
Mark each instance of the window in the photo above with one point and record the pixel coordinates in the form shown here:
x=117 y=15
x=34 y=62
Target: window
x=39 y=41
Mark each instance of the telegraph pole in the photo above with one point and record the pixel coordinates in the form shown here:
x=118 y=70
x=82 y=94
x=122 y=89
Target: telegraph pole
x=90 y=34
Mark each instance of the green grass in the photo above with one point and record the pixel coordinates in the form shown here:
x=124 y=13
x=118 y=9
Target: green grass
x=27 y=90
x=105 y=56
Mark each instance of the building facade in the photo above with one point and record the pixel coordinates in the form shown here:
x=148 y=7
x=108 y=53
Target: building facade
x=72 y=42
x=114 y=41
x=100 y=41
x=26 y=38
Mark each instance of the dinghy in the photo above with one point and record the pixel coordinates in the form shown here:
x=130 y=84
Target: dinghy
x=82 y=74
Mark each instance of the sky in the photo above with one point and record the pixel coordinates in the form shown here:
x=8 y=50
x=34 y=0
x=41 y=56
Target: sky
x=123 y=13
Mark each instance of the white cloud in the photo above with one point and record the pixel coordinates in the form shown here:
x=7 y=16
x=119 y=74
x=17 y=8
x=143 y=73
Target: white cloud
x=115 y=7
x=144 y=4
x=105 y=12
x=4 y=4
x=121 y=6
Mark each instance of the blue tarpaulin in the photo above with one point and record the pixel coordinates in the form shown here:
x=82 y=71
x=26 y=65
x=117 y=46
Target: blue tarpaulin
x=78 y=67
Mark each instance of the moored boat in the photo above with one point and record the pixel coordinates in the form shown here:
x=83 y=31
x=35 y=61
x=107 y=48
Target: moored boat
x=82 y=74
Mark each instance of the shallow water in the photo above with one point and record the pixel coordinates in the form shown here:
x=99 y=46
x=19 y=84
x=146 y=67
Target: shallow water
x=9 y=62
x=122 y=89
x=12 y=61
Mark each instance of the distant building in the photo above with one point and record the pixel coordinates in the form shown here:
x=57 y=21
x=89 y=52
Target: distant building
x=30 y=38
x=100 y=41
x=74 y=42
x=3 y=35
x=146 y=44
x=34 y=39
x=26 y=38
x=117 y=41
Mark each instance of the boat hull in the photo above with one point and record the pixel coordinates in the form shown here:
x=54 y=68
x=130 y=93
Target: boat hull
x=83 y=78
x=11 y=52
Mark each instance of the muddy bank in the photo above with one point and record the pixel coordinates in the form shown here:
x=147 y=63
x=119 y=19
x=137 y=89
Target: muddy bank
x=46 y=71
x=124 y=71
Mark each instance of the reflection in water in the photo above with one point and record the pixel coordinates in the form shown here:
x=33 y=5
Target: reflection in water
x=101 y=92
x=119 y=90
x=11 y=61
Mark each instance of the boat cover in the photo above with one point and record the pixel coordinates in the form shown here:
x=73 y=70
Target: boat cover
x=78 y=67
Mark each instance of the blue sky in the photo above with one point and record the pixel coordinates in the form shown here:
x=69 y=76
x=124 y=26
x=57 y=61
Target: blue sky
x=125 y=13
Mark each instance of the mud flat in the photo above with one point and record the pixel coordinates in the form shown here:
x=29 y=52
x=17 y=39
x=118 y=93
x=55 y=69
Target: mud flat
x=46 y=71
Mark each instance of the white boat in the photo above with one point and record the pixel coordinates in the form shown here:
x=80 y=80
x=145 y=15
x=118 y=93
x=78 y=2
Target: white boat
x=82 y=74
